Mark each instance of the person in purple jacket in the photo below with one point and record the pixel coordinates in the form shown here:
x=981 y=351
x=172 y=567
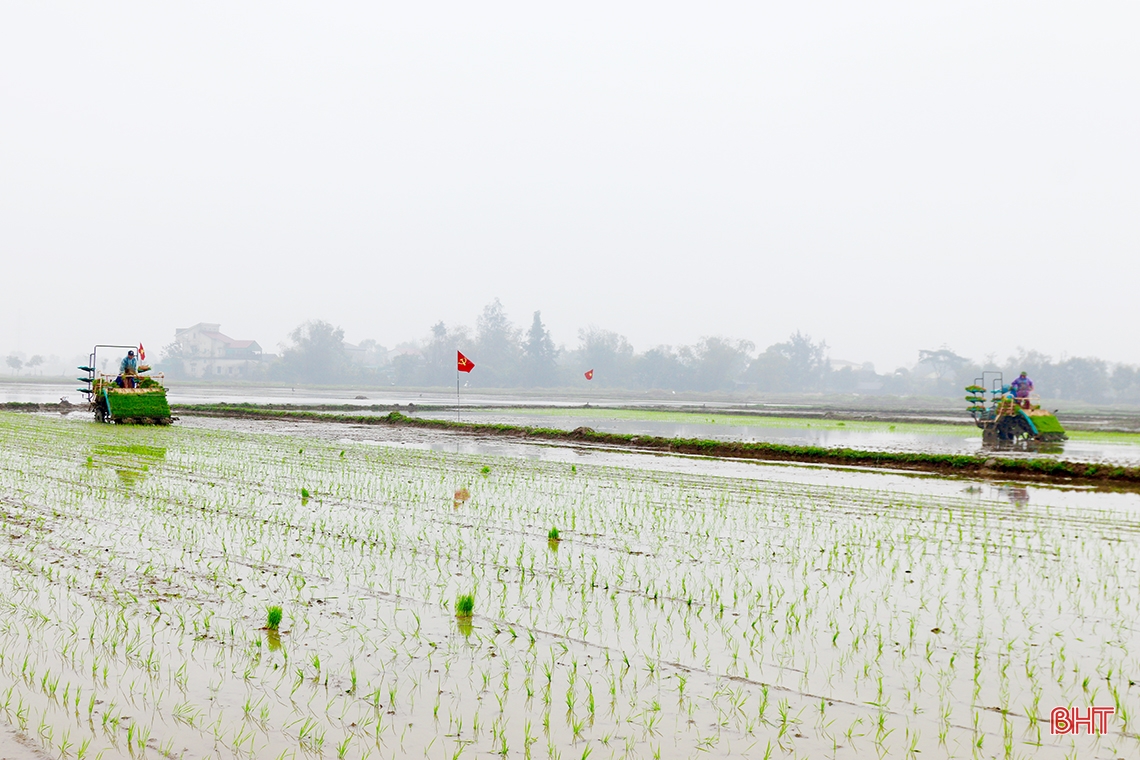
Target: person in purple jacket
x=1022 y=386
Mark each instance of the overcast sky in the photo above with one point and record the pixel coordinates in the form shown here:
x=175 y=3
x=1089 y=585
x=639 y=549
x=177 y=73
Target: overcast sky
x=886 y=176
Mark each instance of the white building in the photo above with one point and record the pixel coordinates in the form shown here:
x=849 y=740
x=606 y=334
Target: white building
x=206 y=352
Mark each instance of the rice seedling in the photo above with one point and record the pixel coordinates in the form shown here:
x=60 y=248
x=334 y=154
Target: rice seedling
x=465 y=605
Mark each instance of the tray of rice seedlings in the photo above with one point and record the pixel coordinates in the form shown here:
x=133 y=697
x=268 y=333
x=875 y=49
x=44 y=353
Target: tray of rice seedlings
x=137 y=406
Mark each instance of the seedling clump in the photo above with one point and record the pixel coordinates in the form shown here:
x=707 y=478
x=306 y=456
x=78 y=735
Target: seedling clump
x=464 y=605
x=273 y=619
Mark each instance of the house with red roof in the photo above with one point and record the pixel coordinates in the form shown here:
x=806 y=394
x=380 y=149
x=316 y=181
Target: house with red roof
x=206 y=352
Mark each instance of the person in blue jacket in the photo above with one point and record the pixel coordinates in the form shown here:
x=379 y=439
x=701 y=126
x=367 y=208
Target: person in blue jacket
x=128 y=371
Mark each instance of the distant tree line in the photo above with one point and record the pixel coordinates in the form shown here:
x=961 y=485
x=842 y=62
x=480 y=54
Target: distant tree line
x=944 y=373
x=509 y=356
x=16 y=363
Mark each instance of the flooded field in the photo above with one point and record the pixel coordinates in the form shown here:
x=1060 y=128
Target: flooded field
x=935 y=431
x=214 y=393
x=965 y=438
x=689 y=608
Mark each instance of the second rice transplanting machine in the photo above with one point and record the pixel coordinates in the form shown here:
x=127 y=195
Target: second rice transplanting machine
x=1005 y=418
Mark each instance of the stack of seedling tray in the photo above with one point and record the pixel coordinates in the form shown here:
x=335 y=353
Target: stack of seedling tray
x=138 y=405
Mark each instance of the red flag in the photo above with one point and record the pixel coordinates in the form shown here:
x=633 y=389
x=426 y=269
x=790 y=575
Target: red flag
x=589 y=374
x=463 y=364
x=142 y=354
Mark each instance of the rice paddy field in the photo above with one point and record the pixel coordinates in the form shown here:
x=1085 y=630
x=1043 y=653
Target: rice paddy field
x=620 y=607
x=872 y=435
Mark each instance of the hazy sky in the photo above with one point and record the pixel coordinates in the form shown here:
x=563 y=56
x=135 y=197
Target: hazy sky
x=887 y=176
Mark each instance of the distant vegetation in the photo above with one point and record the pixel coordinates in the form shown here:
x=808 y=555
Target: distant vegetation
x=507 y=356
x=16 y=363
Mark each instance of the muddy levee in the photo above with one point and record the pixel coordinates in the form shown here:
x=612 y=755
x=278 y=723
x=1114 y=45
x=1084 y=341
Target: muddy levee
x=681 y=613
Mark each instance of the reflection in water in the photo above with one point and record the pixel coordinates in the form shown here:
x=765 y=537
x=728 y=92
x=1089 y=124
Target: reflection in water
x=465 y=626
x=1031 y=447
x=273 y=639
x=135 y=451
x=131 y=462
x=1047 y=448
x=1018 y=495
x=128 y=477
x=461 y=496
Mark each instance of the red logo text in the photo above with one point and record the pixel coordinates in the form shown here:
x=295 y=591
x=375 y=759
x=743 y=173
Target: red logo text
x=1070 y=720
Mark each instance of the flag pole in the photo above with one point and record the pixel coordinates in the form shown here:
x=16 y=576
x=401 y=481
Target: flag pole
x=462 y=364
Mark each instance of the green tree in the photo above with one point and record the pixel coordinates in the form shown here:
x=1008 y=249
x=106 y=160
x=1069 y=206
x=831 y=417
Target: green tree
x=718 y=363
x=1086 y=379
x=439 y=354
x=497 y=349
x=539 y=355
x=316 y=355
x=14 y=362
x=409 y=370
x=375 y=355
x=610 y=356
x=770 y=371
x=171 y=360
x=944 y=362
x=1125 y=385
x=662 y=368
x=798 y=364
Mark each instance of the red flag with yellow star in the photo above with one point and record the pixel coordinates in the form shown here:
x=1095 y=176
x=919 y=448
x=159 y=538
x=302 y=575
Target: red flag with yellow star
x=589 y=374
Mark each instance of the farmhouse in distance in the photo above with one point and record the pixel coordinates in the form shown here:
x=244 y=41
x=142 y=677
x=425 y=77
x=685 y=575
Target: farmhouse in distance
x=203 y=351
